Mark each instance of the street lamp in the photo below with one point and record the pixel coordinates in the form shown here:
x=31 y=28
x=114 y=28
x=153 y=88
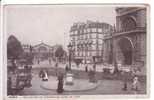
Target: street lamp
x=69 y=75
x=70 y=50
x=86 y=51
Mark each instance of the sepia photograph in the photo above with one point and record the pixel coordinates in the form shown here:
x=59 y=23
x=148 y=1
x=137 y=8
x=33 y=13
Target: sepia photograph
x=76 y=50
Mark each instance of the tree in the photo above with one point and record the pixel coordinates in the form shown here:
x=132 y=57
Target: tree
x=28 y=57
x=14 y=48
x=59 y=53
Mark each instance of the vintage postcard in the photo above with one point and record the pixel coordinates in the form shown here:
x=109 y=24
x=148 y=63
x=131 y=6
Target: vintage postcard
x=76 y=50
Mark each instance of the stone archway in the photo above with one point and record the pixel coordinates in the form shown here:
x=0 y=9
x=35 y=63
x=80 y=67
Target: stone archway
x=125 y=51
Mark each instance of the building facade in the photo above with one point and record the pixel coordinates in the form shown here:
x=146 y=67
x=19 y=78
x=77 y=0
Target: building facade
x=127 y=45
x=87 y=40
x=42 y=51
x=26 y=48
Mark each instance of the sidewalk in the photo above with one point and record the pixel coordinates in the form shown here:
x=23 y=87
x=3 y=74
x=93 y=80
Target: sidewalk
x=99 y=67
x=45 y=64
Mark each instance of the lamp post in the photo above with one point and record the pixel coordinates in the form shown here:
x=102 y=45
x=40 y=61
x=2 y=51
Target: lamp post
x=70 y=50
x=114 y=60
x=86 y=51
x=69 y=75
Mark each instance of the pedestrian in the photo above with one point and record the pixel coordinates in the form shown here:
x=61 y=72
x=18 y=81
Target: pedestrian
x=89 y=75
x=60 y=83
x=29 y=75
x=56 y=65
x=9 y=83
x=135 y=84
x=66 y=68
x=86 y=68
x=94 y=67
x=38 y=61
x=125 y=79
x=92 y=77
x=45 y=78
x=125 y=86
x=41 y=74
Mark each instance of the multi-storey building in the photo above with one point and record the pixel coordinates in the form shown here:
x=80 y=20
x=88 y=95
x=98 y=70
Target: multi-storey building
x=87 y=40
x=127 y=45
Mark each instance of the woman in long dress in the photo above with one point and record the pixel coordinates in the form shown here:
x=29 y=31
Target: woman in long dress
x=45 y=78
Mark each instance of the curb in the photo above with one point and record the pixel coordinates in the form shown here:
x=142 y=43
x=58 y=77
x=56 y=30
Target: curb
x=65 y=90
x=97 y=84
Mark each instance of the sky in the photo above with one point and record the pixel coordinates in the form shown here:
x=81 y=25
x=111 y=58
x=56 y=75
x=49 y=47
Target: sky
x=33 y=24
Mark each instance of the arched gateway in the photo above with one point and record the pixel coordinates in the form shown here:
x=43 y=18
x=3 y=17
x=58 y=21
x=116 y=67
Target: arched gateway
x=125 y=50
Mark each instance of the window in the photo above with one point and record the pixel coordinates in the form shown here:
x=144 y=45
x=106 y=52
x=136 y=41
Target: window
x=94 y=53
x=90 y=47
x=75 y=38
x=90 y=35
x=99 y=30
x=94 y=41
x=99 y=53
x=83 y=53
x=88 y=53
x=79 y=53
x=80 y=36
x=105 y=31
x=88 y=30
x=76 y=32
x=86 y=36
x=72 y=32
x=83 y=36
x=100 y=36
x=93 y=35
x=81 y=31
x=85 y=31
x=93 y=47
x=76 y=53
x=100 y=47
x=100 y=41
x=93 y=29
